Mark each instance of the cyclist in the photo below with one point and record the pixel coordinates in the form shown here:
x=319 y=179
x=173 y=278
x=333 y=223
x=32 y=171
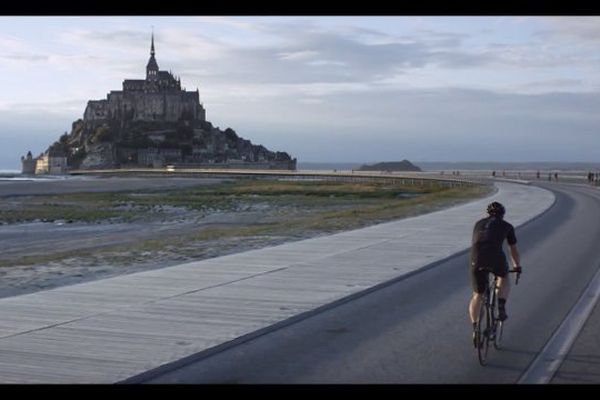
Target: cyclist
x=487 y=255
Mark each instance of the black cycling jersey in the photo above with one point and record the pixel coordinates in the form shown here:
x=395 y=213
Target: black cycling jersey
x=486 y=250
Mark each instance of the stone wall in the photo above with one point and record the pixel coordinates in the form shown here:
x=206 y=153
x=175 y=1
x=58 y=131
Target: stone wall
x=140 y=106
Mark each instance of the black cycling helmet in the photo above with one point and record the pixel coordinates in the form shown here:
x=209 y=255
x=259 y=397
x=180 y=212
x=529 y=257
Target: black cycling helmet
x=496 y=209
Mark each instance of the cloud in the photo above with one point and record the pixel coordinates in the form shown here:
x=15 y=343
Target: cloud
x=586 y=28
x=554 y=42
x=348 y=91
x=108 y=39
x=69 y=107
x=317 y=63
x=298 y=55
x=316 y=57
x=438 y=39
x=554 y=83
x=28 y=57
x=229 y=22
x=446 y=59
x=169 y=42
x=462 y=124
x=310 y=100
x=10 y=42
x=366 y=34
x=15 y=50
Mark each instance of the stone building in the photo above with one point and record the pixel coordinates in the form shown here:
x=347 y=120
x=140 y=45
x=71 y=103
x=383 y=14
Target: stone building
x=50 y=164
x=45 y=163
x=159 y=97
x=28 y=164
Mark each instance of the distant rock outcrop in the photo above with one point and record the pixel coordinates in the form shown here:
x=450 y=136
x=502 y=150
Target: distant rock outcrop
x=403 y=165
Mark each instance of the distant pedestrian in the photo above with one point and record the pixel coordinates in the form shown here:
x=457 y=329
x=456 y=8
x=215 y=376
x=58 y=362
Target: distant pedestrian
x=494 y=174
x=538 y=175
x=556 y=176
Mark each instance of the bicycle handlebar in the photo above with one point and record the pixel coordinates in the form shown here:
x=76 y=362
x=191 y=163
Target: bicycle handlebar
x=517 y=270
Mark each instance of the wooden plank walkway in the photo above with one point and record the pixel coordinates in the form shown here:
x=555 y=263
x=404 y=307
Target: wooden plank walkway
x=109 y=330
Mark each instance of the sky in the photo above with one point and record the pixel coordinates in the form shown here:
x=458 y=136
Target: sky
x=325 y=89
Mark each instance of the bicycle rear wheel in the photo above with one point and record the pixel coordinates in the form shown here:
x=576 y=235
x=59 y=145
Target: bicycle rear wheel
x=483 y=329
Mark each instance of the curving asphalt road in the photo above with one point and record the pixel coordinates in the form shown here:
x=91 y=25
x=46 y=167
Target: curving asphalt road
x=417 y=330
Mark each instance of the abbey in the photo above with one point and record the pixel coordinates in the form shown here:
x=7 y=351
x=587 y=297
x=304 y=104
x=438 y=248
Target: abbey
x=151 y=123
x=159 y=97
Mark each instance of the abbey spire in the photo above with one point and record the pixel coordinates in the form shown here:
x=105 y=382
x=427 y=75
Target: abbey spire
x=152 y=67
x=152 y=45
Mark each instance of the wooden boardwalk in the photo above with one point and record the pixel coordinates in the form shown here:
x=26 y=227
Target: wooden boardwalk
x=109 y=330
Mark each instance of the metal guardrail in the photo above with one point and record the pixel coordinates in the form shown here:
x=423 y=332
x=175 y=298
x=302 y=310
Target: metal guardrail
x=420 y=178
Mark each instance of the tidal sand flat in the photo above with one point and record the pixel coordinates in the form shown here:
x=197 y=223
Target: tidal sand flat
x=59 y=232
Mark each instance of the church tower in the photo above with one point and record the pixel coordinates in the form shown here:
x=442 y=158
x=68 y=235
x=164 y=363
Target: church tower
x=152 y=67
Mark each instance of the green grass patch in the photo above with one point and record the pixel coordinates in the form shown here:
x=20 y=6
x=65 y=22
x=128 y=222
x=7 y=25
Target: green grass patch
x=93 y=207
x=296 y=210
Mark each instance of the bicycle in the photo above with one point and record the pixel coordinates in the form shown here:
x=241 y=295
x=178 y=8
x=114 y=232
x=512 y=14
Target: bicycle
x=488 y=313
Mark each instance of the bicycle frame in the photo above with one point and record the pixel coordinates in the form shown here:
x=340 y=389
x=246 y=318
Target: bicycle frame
x=488 y=313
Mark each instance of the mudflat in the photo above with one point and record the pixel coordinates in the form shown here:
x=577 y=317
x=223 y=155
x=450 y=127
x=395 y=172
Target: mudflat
x=39 y=186
x=64 y=231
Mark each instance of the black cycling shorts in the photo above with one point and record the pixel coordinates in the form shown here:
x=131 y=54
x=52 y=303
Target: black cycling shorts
x=479 y=276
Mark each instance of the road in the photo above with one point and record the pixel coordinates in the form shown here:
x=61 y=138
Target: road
x=417 y=330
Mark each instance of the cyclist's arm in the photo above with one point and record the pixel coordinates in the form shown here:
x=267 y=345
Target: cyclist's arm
x=514 y=255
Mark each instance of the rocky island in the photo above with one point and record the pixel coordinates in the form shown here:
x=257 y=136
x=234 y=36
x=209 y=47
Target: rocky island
x=403 y=165
x=151 y=122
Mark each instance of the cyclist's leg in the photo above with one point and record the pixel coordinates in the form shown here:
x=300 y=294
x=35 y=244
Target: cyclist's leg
x=504 y=287
x=503 y=290
x=474 y=306
x=479 y=285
